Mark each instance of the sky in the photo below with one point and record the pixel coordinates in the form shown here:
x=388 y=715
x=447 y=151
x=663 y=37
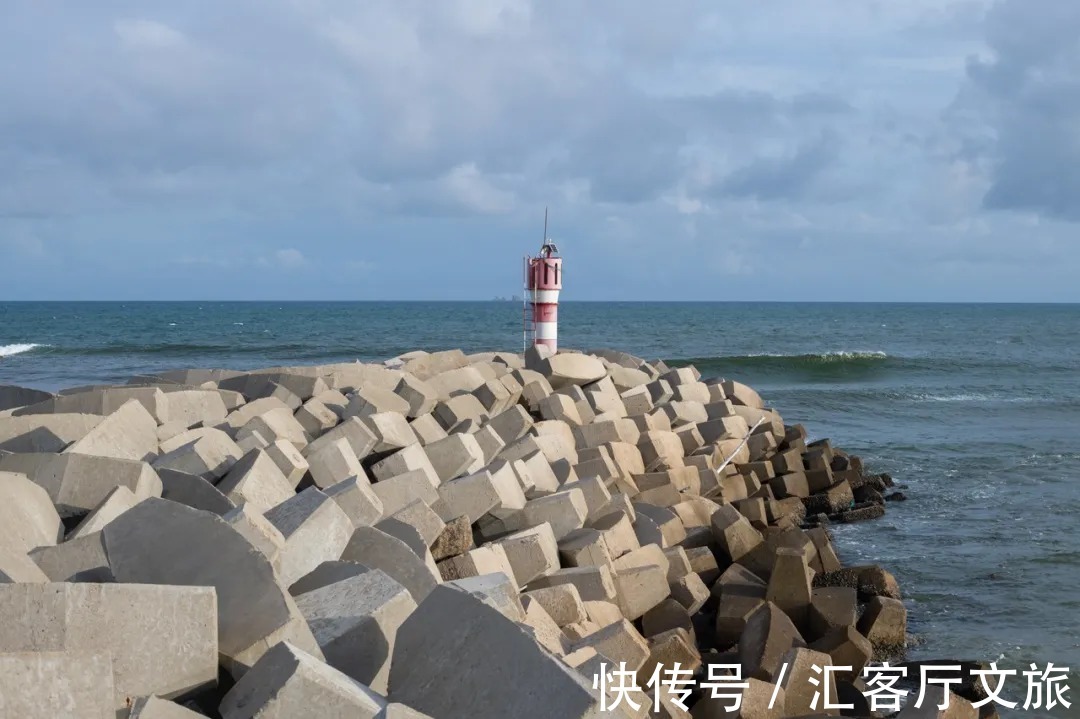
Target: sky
x=824 y=150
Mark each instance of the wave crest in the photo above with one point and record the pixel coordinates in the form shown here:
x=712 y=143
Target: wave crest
x=18 y=349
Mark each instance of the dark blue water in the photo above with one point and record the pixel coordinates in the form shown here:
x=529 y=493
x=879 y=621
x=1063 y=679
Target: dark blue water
x=974 y=407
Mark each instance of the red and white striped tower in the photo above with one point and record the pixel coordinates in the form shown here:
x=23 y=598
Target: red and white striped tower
x=543 y=280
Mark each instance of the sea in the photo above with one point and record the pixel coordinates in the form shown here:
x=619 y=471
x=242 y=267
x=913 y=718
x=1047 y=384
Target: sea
x=974 y=410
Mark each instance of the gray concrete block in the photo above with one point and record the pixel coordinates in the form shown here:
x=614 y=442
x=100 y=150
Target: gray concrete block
x=408 y=459
x=315 y=529
x=193 y=491
x=77 y=483
x=27 y=516
x=44 y=433
x=158 y=708
x=162 y=640
x=391 y=429
x=403 y=489
x=455 y=456
x=355 y=621
x=378 y=550
x=161 y=542
x=128 y=433
x=210 y=456
x=257 y=529
x=288 y=682
x=116 y=503
x=453 y=627
x=334 y=462
x=76 y=560
x=256 y=480
x=80 y=685
x=325 y=574
x=358 y=500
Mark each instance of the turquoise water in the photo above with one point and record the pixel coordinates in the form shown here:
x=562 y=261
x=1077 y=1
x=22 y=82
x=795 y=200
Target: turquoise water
x=974 y=407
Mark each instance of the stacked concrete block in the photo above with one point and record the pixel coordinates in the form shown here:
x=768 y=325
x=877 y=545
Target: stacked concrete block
x=528 y=519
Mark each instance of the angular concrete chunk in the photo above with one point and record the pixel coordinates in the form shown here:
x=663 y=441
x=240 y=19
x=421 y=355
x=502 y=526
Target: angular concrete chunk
x=455 y=456
x=77 y=483
x=392 y=431
x=257 y=529
x=76 y=560
x=161 y=542
x=157 y=708
x=27 y=516
x=80 y=685
x=315 y=529
x=119 y=501
x=16 y=568
x=508 y=670
x=289 y=460
x=210 y=456
x=128 y=433
x=287 y=682
x=193 y=491
x=162 y=640
x=378 y=550
x=532 y=553
x=334 y=462
x=256 y=480
x=355 y=622
x=358 y=500
x=44 y=433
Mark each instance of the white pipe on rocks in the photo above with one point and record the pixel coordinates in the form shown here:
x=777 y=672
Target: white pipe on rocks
x=741 y=445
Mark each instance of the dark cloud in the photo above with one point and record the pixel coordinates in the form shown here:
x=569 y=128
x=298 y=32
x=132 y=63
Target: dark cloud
x=1027 y=95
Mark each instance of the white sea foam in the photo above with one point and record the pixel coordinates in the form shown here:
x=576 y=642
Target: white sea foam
x=17 y=349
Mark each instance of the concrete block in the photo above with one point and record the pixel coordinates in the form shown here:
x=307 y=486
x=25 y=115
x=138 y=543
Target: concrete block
x=540 y=476
x=419 y=515
x=77 y=483
x=665 y=616
x=76 y=560
x=358 y=434
x=254 y=612
x=456 y=538
x=335 y=401
x=27 y=516
x=162 y=640
x=734 y=533
x=584 y=547
x=511 y=424
x=356 y=621
x=640 y=588
x=427 y=429
x=741 y=394
x=316 y=418
x=488 y=559
x=372 y=399
x=768 y=636
x=790 y=585
x=391 y=430
x=116 y=503
x=690 y=592
x=193 y=491
x=497 y=590
x=489 y=441
x=455 y=381
x=378 y=550
x=400 y=490
x=451 y=413
x=494 y=396
x=566 y=369
x=669 y=524
x=478 y=494
x=357 y=498
x=334 y=462
x=44 y=433
x=17 y=568
x=420 y=396
x=565 y=511
x=884 y=623
x=532 y=552
x=617 y=528
x=156 y=708
x=592 y=583
x=210 y=456
x=543 y=628
x=559 y=407
x=846 y=647
x=79 y=685
x=620 y=642
x=454 y=626
x=455 y=456
x=256 y=479
x=562 y=603
x=703 y=562
x=315 y=529
x=289 y=461
x=128 y=433
x=411 y=458
x=288 y=682
x=276 y=424
x=257 y=529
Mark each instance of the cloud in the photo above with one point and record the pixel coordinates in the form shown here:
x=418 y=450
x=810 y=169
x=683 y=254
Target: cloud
x=671 y=147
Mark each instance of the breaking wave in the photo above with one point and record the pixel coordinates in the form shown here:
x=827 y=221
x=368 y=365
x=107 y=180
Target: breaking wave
x=18 y=349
